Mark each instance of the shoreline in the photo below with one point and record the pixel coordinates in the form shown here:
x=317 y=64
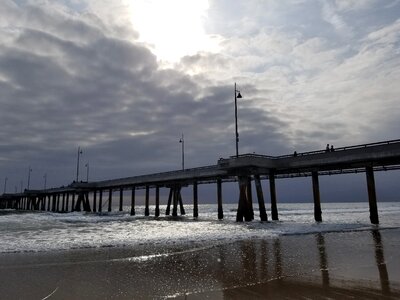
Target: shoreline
x=354 y=263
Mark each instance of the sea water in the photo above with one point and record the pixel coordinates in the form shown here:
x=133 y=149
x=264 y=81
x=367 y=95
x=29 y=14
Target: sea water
x=47 y=231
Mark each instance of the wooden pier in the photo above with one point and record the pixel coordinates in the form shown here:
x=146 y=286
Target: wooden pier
x=244 y=169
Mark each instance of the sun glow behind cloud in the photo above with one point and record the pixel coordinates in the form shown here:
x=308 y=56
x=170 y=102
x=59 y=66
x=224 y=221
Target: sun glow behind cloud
x=172 y=28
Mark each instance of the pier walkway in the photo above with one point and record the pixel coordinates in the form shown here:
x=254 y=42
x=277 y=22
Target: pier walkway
x=244 y=169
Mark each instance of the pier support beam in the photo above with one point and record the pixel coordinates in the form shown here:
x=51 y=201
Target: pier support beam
x=121 y=199
x=260 y=197
x=48 y=202
x=245 y=210
x=63 y=203
x=157 y=212
x=272 y=190
x=176 y=192
x=58 y=203
x=100 y=200
x=219 y=198
x=147 y=199
x=182 y=209
x=373 y=208
x=73 y=202
x=110 y=200
x=195 y=201
x=317 y=200
x=94 y=201
x=133 y=201
x=53 y=203
x=167 y=211
x=86 y=203
x=67 y=203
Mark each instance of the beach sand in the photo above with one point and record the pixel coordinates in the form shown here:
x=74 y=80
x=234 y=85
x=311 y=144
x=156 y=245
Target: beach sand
x=338 y=265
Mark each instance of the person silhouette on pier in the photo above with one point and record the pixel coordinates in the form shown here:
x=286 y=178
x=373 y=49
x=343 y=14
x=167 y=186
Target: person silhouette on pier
x=327 y=148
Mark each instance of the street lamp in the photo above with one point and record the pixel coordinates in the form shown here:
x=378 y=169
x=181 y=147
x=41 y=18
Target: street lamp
x=237 y=96
x=77 y=164
x=29 y=176
x=5 y=184
x=182 y=141
x=87 y=171
x=45 y=180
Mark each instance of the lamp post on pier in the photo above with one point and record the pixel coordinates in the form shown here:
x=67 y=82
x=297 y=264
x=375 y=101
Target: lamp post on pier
x=45 y=180
x=77 y=163
x=87 y=171
x=237 y=96
x=182 y=141
x=29 y=176
x=5 y=184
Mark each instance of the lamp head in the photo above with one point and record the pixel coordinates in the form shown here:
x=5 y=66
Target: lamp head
x=239 y=95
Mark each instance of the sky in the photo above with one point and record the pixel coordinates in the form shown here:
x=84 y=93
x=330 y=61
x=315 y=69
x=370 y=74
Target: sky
x=124 y=79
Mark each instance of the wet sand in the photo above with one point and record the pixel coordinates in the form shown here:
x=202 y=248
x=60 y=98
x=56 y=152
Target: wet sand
x=363 y=264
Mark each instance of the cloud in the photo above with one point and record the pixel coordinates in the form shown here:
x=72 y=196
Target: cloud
x=66 y=81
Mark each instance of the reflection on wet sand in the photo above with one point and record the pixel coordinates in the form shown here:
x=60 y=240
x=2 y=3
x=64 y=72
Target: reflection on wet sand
x=380 y=262
x=290 y=267
x=323 y=259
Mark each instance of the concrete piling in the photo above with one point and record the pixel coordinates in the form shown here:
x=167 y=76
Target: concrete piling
x=373 y=208
x=157 y=211
x=110 y=191
x=121 y=199
x=317 y=200
x=260 y=198
x=272 y=190
x=147 y=200
x=195 y=200
x=133 y=201
x=219 y=199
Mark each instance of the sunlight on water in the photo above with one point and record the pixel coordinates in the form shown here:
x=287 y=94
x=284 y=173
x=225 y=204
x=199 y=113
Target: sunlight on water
x=50 y=231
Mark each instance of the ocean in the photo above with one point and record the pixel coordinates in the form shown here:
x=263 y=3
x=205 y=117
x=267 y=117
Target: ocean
x=47 y=231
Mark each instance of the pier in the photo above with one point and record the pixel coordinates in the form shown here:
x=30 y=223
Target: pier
x=247 y=169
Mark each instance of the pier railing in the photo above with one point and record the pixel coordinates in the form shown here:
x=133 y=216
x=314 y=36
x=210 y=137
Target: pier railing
x=361 y=146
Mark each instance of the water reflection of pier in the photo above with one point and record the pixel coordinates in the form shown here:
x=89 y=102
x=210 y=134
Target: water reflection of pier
x=288 y=267
x=267 y=268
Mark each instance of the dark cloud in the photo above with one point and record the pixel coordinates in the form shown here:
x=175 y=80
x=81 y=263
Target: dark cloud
x=66 y=81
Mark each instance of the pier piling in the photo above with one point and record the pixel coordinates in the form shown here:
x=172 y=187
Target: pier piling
x=147 y=199
x=133 y=201
x=219 y=198
x=167 y=211
x=110 y=199
x=100 y=200
x=272 y=190
x=94 y=200
x=157 y=211
x=260 y=197
x=195 y=200
x=373 y=208
x=121 y=199
x=317 y=200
